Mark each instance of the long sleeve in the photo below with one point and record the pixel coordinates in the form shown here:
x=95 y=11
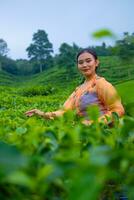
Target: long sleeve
x=70 y=102
x=110 y=98
x=68 y=105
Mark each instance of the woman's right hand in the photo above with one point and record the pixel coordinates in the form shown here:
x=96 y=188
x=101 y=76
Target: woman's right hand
x=40 y=113
x=34 y=112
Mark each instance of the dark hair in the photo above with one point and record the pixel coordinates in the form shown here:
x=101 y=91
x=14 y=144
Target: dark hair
x=88 y=50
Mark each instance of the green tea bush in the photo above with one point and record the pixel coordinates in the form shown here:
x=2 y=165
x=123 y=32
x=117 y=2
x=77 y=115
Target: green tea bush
x=62 y=159
x=37 y=90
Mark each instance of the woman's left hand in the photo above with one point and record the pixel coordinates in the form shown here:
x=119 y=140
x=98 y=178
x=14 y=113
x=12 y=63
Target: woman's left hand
x=87 y=122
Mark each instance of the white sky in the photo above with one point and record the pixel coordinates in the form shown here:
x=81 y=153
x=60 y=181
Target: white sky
x=63 y=20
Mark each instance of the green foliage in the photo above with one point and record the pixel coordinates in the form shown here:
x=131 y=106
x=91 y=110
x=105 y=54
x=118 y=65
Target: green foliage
x=37 y=90
x=8 y=65
x=67 y=56
x=24 y=67
x=8 y=79
x=126 y=92
x=39 y=52
x=110 y=67
x=62 y=158
x=124 y=48
x=10 y=158
x=103 y=50
x=3 y=47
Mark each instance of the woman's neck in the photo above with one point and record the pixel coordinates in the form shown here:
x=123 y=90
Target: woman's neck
x=91 y=77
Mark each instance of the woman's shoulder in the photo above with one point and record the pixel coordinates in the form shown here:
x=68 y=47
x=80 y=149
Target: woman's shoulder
x=101 y=81
x=77 y=88
x=100 y=78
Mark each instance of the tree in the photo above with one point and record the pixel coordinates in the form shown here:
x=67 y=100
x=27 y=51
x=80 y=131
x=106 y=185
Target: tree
x=24 y=67
x=40 y=50
x=102 y=50
x=8 y=65
x=3 y=52
x=3 y=47
x=124 y=48
x=67 y=56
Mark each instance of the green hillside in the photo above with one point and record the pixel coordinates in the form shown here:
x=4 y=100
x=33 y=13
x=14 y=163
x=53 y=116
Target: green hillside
x=58 y=83
x=126 y=91
x=8 y=79
x=110 y=67
x=43 y=158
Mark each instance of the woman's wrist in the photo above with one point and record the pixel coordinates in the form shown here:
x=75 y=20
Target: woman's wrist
x=42 y=114
x=39 y=113
x=48 y=115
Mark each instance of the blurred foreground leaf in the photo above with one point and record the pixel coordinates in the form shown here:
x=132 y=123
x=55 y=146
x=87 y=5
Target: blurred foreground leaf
x=103 y=33
x=10 y=157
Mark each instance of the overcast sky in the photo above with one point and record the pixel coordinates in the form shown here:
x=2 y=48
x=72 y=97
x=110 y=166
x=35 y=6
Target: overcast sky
x=63 y=20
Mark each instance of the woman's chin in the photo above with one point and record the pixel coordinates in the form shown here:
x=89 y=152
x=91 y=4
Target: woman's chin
x=87 y=73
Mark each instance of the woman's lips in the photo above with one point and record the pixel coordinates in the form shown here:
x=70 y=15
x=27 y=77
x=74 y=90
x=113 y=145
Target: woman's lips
x=85 y=70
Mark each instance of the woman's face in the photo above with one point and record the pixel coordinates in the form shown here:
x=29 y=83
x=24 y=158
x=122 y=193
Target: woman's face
x=87 y=64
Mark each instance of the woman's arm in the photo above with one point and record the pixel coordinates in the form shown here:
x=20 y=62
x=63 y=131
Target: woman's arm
x=45 y=115
x=68 y=105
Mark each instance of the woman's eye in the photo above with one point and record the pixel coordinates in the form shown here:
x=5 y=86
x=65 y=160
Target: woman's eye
x=88 y=61
x=80 y=62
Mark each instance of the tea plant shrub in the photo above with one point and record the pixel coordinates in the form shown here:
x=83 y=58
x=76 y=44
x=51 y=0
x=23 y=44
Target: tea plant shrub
x=62 y=158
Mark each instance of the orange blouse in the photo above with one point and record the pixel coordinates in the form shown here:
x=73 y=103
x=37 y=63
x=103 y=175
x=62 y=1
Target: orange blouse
x=99 y=92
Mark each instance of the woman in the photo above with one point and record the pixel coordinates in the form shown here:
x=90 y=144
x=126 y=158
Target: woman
x=94 y=91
